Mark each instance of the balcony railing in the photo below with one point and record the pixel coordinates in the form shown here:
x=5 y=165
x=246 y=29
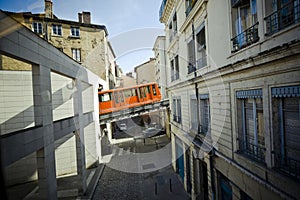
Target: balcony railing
x=253 y=150
x=190 y=7
x=162 y=8
x=246 y=38
x=288 y=15
x=288 y=166
x=191 y=68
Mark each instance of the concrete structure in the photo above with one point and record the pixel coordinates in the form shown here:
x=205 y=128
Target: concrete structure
x=145 y=72
x=159 y=50
x=83 y=41
x=48 y=123
x=234 y=95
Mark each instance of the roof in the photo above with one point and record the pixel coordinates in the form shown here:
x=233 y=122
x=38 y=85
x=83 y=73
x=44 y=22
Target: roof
x=41 y=16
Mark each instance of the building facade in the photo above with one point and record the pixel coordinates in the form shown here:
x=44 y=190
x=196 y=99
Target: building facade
x=160 y=64
x=83 y=41
x=233 y=83
x=145 y=72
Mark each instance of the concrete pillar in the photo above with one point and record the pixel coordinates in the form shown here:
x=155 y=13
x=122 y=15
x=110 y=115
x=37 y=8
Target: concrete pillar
x=44 y=116
x=79 y=134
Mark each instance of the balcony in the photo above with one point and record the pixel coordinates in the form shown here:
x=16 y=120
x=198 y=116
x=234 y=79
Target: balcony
x=246 y=38
x=162 y=8
x=251 y=149
x=190 y=6
x=288 y=166
x=165 y=10
x=284 y=17
x=191 y=68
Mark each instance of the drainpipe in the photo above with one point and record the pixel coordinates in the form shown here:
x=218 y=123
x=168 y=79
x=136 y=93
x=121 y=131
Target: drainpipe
x=213 y=191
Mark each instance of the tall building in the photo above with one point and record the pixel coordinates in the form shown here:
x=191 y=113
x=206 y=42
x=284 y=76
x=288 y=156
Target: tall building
x=160 y=64
x=145 y=72
x=233 y=73
x=83 y=41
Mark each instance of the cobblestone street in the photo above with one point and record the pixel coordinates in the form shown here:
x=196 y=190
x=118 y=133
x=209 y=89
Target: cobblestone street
x=154 y=179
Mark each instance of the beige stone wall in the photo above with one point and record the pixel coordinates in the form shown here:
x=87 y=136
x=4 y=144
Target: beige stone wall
x=145 y=73
x=92 y=43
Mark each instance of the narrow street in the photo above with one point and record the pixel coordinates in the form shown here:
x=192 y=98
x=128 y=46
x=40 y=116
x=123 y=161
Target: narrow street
x=140 y=169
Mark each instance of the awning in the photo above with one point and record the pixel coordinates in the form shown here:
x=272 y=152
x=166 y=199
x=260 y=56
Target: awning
x=290 y=91
x=245 y=94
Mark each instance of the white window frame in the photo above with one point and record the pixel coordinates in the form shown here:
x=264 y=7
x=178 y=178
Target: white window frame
x=56 y=28
x=75 y=31
x=37 y=27
x=76 y=54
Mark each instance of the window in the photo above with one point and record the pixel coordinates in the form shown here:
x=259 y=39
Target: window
x=282 y=13
x=154 y=90
x=224 y=188
x=286 y=129
x=194 y=118
x=173 y=28
x=174 y=69
x=37 y=27
x=244 y=24
x=75 y=31
x=56 y=29
x=204 y=113
x=105 y=97
x=191 y=56
x=176 y=105
x=201 y=48
x=76 y=54
x=251 y=124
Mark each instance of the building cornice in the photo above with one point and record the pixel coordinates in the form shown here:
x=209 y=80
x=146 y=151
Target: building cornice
x=41 y=17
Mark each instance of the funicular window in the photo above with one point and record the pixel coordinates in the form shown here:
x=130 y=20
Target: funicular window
x=154 y=90
x=121 y=96
x=127 y=93
x=105 y=97
x=116 y=97
x=148 y=89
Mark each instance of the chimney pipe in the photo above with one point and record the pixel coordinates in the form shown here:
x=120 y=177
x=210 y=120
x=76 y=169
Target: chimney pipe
x=84 y=17
x=48 y=9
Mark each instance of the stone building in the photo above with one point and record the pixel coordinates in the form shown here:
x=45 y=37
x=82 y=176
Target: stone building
x=160 y=64
x=83 y=41
x=145 y=72
x=233 y=74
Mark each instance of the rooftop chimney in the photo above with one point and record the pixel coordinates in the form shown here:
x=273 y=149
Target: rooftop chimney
x=48 y=9
x=84 y=17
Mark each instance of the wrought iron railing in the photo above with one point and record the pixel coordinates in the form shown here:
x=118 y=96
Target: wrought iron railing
x=191 y=68
x=288 y=166
x=287 y=15
x=246 y=38
x=162 y=8
x=190 y=7
x=255 y=150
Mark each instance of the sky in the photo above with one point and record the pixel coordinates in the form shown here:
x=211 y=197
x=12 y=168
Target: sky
x=132 y=25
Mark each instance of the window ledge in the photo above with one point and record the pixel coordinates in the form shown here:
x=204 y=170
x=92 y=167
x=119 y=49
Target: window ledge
x=54 y=35
x=74 y=37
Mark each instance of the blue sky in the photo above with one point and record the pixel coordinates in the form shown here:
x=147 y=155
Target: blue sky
x=132 y=24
